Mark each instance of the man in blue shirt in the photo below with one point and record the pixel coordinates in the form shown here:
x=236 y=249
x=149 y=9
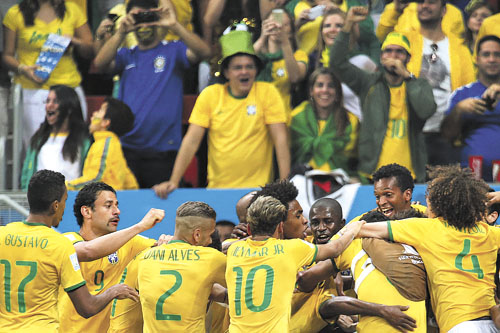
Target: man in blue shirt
x=474 y=111
x=151 y=84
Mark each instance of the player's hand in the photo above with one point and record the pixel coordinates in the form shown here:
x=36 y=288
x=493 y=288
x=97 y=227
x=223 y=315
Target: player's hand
x=29 y=72
x=471 y=105
x=151 y=218
x=164 y=189
x=397 y=318
x=127 y=24
x=357 y=14
x=347 y=323
x=339 y=284
x=354 y=227
x=167 y=18
x=240 y=231
x=400 y=6
x=122 y=291
x=493 y=197
x=104 y=29
x=164 y=239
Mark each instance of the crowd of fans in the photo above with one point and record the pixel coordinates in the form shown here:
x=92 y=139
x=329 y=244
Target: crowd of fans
x=310 y=84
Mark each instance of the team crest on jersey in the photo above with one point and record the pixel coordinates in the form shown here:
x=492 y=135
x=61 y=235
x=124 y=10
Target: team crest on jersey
x=251 y=110
x=159 y=64
x=113 y=258
x=280 y=72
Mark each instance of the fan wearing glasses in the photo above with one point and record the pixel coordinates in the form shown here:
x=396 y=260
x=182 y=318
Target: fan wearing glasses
x=446 y=63
x=474 y=112
x=395 y=104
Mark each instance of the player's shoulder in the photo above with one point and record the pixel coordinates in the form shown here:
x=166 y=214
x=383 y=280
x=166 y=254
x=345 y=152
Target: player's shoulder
x=73 y=237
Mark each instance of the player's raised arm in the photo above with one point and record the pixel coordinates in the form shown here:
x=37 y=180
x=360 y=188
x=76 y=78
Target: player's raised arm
x=88 y=305
x=308 y=280
x=335 y=247
x=107 y=244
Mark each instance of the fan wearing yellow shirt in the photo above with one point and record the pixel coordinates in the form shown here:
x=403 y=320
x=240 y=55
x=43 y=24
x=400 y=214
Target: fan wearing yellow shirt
x=460 y=255
x=97 y=213
x=175 y=280
x=35 y=260
x=261 y=270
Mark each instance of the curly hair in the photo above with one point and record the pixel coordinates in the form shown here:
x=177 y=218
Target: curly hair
x=283 y=190
x=44 y=188
x=87 y=197
x=456 y=196
x=402 y=175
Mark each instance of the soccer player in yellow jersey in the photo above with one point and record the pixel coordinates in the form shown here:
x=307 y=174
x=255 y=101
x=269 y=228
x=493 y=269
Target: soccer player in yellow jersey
x=35 y=260
x=97 y=213
x=261 y=270
x=175 y=280
x=459 y=250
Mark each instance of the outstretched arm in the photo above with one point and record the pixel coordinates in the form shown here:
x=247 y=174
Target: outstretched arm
x=351 y=306
x=374 y=230
x=107 y=244
x=335 y=247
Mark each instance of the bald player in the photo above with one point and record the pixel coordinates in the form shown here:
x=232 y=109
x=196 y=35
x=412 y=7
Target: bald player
x=175 y=280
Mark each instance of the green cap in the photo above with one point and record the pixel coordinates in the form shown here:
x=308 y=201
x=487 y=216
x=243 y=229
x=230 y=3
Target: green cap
x=237 y=40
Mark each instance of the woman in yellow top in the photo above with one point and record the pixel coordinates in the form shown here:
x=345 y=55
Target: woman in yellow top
x=324 y=134
x=284 y=65
x=61 y=142
x=26 y=28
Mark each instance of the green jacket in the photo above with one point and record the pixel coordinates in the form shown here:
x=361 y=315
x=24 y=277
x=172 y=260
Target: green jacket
x=374 y=94
x=31 y=162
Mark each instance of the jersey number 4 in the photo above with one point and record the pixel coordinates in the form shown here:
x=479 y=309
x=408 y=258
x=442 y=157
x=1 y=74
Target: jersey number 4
x=7 y=277
x=476 y=269
x=268 y=288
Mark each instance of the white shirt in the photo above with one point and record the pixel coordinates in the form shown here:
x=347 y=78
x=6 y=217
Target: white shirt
x=50 y=157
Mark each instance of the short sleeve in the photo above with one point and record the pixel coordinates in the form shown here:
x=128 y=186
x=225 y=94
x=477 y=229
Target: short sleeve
x=301 y=56
x=181 y=50
x=76 y=14
x=13 y=18
x=121 y=58
x=202 y=110
x=138 y=244
x=305 y=252
x=409 y=231
x=71 y=275
x=274 y=109
x=219 y=265
x=455 y=98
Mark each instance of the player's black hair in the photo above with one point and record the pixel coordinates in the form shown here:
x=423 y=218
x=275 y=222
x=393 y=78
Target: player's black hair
x=456 y=196
x=87 y=197
x=283 y=190
x=225 y=223
x=216 y=243
x=120 y=116
x=495 y=207
x=377 y=216
x=328 y=202
x=403 y=175
x=145 y=4
x=44 y=188
x=487 y=38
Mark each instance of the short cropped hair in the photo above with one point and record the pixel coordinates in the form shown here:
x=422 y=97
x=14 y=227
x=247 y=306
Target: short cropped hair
x=120 y=116
x=87 y=197
x=403 y=175
x=456 y=196
x=283 y=190
x=487 y=38
x=264 y=215
x=44 y=188
x=196 y=209
x=146 y=4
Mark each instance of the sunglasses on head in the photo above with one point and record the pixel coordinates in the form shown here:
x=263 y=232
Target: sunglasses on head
x=433 y=57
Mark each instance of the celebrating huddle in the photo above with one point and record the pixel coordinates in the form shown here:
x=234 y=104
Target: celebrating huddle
x=271 y=279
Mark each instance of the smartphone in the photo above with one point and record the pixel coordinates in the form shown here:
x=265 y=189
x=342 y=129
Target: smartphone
x=277 y=15
x=145 y=17
x=316 y=11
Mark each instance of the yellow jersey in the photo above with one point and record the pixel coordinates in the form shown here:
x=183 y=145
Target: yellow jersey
x=99 y=274
x=261 y=278
x=372 y=286
x=34 y=261
x=460 y=266
x=240 y=148
x=174 y=282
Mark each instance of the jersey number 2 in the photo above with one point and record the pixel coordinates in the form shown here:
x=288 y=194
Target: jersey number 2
x=476 y=269
x=268 y=288
x=22 y=285
x=159 y=304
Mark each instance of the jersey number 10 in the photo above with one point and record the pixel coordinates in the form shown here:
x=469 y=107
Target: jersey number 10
x=268 y=288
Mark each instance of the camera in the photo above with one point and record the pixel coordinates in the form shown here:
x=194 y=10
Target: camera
x=489 y=102
x=145 y=17
x=114 y=18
